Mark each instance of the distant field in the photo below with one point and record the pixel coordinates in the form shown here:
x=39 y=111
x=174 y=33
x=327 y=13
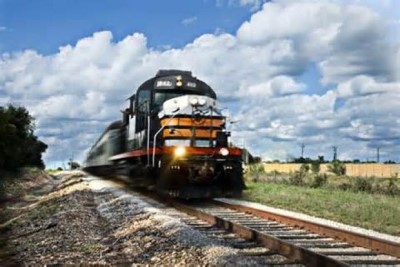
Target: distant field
x=372 y=211
x=352 y=169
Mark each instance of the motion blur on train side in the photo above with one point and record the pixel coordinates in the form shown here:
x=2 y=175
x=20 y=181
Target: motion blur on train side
x=171 y=139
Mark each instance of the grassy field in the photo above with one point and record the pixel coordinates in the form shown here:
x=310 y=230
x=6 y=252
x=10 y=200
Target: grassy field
x=371 y=211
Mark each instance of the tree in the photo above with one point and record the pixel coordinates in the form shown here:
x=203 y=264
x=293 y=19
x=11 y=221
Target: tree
x=337 y=168
x=18 y=145
x=315 y=166
x=74 y=165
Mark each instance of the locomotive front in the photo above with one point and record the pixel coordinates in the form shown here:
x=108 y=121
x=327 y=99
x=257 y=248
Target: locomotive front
x=175 y=140
x=195 y=159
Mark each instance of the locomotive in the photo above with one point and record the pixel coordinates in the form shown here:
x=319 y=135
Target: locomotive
x=171 y=139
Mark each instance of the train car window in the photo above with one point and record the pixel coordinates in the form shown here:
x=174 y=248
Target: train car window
x=143 y=101
x=131 y=110
x=203 y=143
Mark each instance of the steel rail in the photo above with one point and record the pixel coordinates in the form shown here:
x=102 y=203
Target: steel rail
x=373 y=243
x=289 y=250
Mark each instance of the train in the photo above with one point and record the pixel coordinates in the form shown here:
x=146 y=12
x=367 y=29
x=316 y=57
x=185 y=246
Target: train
x=172 y=139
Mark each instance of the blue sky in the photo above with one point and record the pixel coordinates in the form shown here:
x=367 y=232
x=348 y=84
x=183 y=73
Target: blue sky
x=323 y=73
x=44 y=25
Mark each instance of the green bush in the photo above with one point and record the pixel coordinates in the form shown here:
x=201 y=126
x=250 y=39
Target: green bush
x=319 y=180
x=254 y=171
x=297 y=178
x=392 y=188
x=344 y=186
x=361 y=184
x=337 y=167
x=315 y=167
x=257 y=168
x=304 y=168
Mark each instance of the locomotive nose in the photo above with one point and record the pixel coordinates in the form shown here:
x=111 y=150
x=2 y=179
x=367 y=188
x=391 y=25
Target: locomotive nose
x=201 y=173
x=206 y=170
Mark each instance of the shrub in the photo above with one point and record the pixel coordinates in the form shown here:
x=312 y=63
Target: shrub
x=319 y=180
x=256 y=168
x=315 y=167
x=337 y=168
x=304 y=168
x=254 y=171
x=297 y=178
x=392 y=188
x=274 y=177
x=344 y=186
x=362 y=184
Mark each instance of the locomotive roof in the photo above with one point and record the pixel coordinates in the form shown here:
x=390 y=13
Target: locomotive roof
x=166 y=80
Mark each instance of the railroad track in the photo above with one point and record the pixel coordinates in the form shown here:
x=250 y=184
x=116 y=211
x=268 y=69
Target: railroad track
x=257 y=232
x=299 y=241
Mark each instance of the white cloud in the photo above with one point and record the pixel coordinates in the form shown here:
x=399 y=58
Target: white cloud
x=346 y=40
x=275 y=87
x=365 y=85
x=189 y=20
x=253 y=5
x=74 y=93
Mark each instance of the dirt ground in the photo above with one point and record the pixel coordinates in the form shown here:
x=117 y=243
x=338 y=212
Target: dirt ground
x=54 y=220
x=57 y=220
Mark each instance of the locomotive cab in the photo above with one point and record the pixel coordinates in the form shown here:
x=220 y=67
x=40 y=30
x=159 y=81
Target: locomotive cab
x=175 y=140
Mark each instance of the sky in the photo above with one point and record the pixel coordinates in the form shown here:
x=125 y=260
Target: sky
x=286 y=72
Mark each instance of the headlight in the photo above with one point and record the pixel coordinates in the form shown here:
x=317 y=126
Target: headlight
x=193 y=101
x=224 y=152
x=179 y=151
x=202 y=101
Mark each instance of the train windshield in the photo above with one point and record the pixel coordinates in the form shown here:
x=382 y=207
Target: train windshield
x=161 y=97
x=186 y=142
x=177 y=142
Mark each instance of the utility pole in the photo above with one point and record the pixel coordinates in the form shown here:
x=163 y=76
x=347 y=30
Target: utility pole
x=377 y=154
x=334 y=153
x=302 y=150
x=70 y=161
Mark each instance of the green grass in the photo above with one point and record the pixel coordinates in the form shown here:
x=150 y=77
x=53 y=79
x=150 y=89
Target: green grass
x=372 y=211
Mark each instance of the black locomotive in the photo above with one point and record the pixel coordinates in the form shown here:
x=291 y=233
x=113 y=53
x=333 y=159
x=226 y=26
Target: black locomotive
x=171 y=139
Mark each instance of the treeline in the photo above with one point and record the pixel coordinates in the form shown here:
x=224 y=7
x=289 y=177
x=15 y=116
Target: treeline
x=321 y=159
x=19 y=147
